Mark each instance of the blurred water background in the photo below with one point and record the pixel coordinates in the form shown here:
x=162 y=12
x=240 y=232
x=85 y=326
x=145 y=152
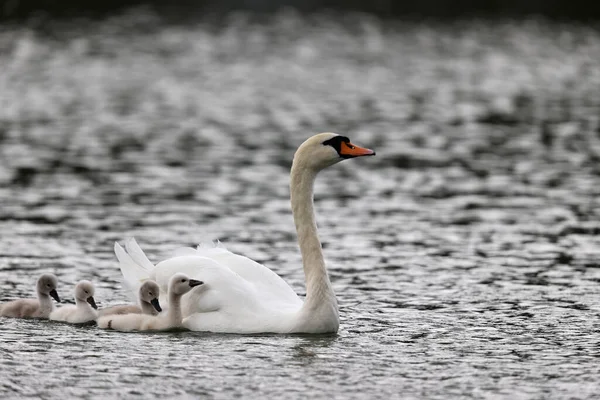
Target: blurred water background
x=465 y=255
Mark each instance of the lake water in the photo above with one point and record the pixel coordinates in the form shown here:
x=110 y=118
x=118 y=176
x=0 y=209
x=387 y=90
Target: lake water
x=465 y=255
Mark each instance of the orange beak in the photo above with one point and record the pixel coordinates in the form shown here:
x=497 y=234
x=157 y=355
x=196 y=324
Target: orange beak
x=349 y=150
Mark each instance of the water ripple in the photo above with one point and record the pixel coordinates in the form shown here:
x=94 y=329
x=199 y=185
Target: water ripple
x=464 y=255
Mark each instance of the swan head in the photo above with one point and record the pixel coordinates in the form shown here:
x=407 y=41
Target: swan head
x=84 y=291
x=47 y=284
x=180 y=284
x=325 y=149
x=149 y=292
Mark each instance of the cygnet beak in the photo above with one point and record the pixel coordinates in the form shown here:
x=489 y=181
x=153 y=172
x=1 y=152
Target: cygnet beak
x=92 y=302
x=156 y=304
x=194 y=283
x=54 y=295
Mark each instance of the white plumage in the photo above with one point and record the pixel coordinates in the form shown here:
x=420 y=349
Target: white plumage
x=240 y=295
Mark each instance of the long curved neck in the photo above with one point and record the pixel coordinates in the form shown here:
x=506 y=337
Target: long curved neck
x=46 y=305
x=82 y=304
x=147 y=308
x=174 y=313
x=318 y=287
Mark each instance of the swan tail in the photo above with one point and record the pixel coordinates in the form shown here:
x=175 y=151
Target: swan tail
x=133 y=273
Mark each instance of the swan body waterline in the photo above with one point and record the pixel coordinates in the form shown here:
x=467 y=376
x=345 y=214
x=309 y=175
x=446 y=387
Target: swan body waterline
x=179 y=284
x=149 y=304
x=84 y=309
x=34 y=308
x=240 y=295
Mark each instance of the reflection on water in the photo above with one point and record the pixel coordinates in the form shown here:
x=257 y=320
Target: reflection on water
x=464 y=255
x=306 y=351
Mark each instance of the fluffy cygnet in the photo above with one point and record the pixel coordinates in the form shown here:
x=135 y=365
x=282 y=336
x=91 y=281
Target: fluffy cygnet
x=34 y=308
x=179 y=285
x=148 y=298
x=84 y=309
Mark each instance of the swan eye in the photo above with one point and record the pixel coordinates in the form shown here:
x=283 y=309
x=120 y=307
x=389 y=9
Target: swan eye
x=86 y=292
x=336 y=142
x=183 y=280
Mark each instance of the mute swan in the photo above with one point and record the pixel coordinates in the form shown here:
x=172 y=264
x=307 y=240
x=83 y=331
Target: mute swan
x=32 y=308
x=242 y=296
x=179 y=285
x=148 y=298
x=84 y=309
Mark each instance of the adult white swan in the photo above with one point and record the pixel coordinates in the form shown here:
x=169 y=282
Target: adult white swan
x=241 y=296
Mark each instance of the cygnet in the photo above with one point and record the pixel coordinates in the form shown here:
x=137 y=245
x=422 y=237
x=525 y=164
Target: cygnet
x=148 y=299
x=84 y=309
x=34 y=308
x=179 y=285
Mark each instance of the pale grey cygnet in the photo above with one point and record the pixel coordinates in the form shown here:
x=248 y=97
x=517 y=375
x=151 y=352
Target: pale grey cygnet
x=148 y=299
x=34 y=308
x=84 y=309
x=179 y=285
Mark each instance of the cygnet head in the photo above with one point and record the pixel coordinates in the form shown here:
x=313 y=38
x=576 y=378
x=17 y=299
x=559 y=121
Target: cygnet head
x=84 y=291
x=325 y=149
x=46 y=284
x=180 y=284
x=149 y=292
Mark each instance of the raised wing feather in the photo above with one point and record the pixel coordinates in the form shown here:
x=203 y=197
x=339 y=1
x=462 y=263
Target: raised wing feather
x=133 y=273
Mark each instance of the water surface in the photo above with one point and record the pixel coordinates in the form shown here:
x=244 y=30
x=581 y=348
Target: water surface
x=464 y=256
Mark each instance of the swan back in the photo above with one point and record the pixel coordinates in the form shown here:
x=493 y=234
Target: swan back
x=266 y=283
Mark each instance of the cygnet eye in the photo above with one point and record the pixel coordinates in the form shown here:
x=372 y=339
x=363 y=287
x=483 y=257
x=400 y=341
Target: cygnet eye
x=86 y=292
x=183 y=280
x=150 y=293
